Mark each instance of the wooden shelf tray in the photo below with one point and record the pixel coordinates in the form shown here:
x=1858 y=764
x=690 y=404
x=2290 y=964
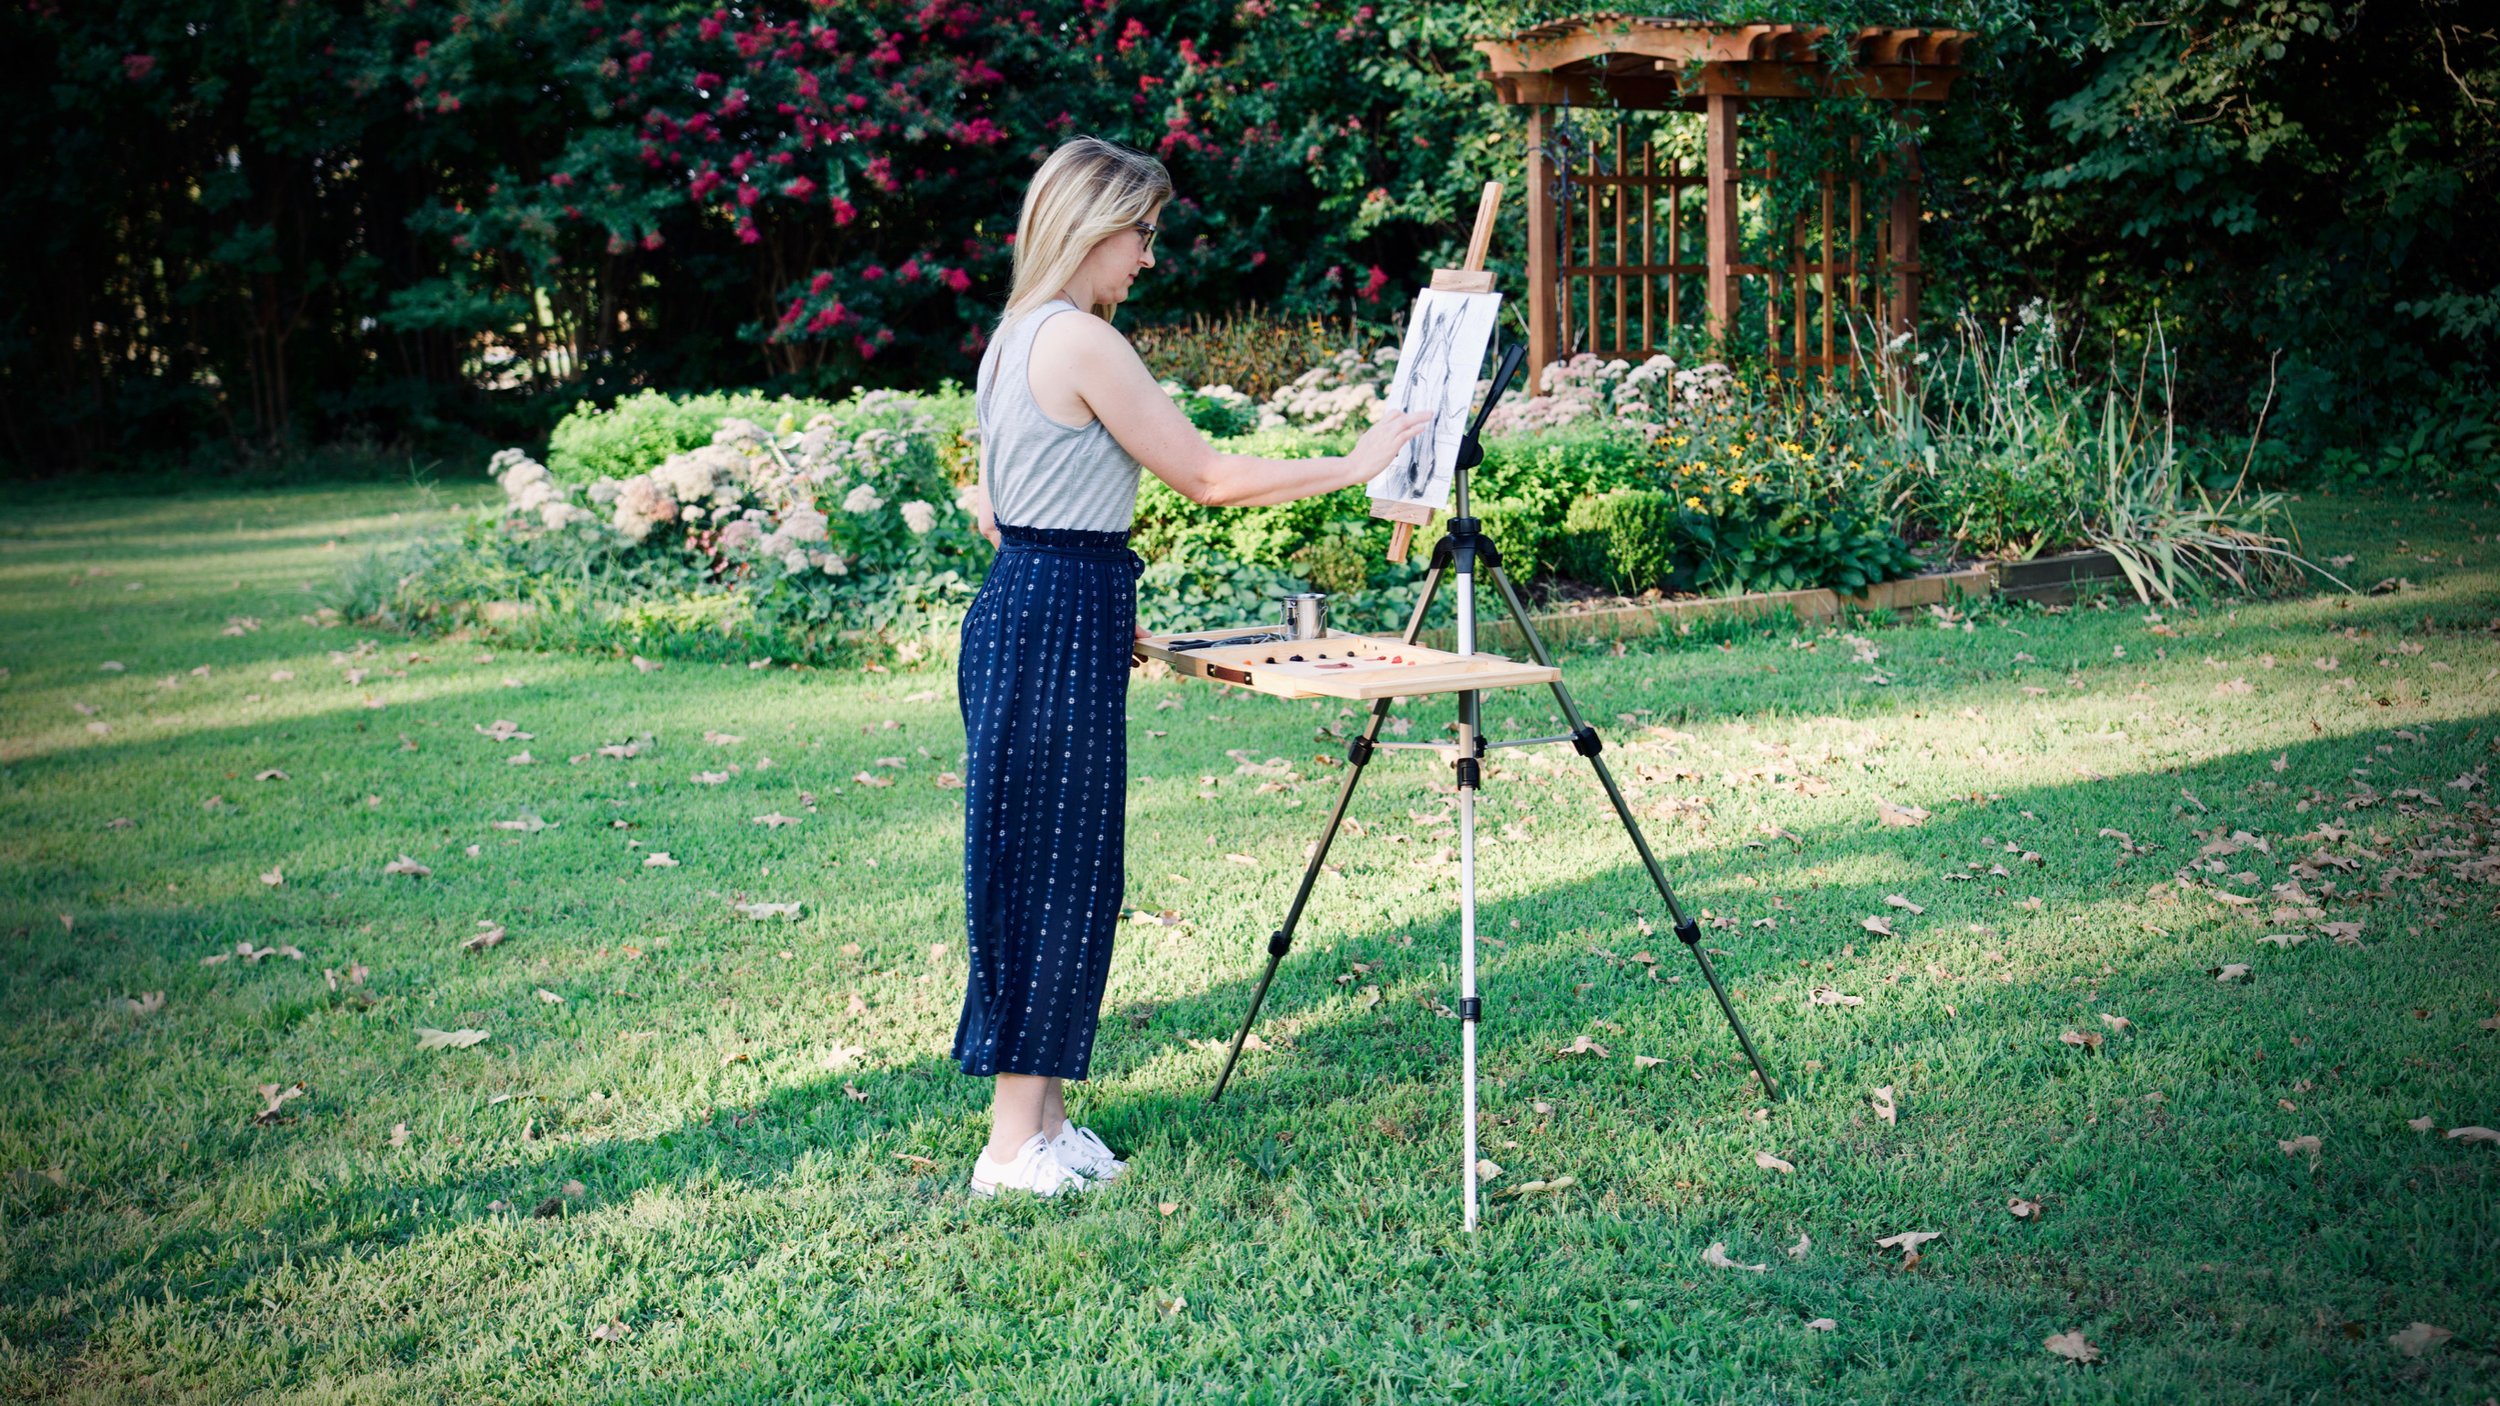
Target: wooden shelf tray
x=1339 y=666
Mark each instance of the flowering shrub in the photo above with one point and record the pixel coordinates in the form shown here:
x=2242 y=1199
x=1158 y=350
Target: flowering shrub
x=791 y=534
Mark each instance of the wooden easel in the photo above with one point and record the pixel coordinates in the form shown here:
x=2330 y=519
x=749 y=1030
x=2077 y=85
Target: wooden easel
x=1471 y=277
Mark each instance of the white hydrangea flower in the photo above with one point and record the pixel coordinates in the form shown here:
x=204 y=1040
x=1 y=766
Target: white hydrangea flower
x=832 y=564
x=919 y=516
x=559 y=514
x=794 y=561
x=603 y=492
x=862 y=499
x=804 y=525
x=686 y=477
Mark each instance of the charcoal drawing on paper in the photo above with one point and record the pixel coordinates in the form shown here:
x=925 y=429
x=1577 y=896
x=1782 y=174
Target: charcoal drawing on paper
x=1438 y=368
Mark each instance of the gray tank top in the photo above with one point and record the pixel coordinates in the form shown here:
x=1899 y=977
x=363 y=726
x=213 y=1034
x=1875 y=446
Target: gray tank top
x=1043 y=473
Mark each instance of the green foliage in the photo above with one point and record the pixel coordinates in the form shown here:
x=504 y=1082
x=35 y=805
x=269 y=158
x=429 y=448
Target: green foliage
x=1210 y=591
x=1252 y=349
x=639 y=431
x=1624 y=540
x=1792 y=547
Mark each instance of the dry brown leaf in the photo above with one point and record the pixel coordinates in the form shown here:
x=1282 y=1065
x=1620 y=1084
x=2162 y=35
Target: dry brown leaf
x=1826 y=996
x=658 y=859
x=2072 y=1347
x=854 y=1093
x=399 y=1135
x=2081 y=1040
x=611 y=1331
x=1821 y=1325
x=1907 y=1242
x=1904 y=904
x=408 y=866
x=2293 y=1147
x=1716 y=1258
x=2418 y=1339
x=1582 y=1045
x=275 y=1097
x=1798 y=1251
x=1642 y=1061
x=1167 y=1207
x=1537 y=1188
x=493 y=934
x=1888 y=814
x=429 y=1038
x=2118 y=1023
x=2231 y=971
x=1884 y=1106
x=2021 y=1209
x=1880 y=926
x=2474 y=1134
x=1769 y=1163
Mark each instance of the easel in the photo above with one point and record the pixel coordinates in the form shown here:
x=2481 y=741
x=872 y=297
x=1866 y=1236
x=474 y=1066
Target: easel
x=1297 y=671
x=1470 y=277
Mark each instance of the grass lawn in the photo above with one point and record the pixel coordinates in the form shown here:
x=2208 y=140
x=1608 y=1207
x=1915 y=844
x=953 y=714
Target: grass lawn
x=703 y=1157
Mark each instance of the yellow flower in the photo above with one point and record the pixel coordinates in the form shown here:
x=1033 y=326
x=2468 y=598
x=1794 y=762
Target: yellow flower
x=1693 y=503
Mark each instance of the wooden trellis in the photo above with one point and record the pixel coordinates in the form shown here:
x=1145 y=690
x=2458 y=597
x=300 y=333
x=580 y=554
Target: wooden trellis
x=1588 y=292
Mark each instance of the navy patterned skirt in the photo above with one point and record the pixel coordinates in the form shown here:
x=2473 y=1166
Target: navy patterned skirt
x=1043 y=680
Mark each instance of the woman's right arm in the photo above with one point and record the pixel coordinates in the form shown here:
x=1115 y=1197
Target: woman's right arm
x=1116 y=386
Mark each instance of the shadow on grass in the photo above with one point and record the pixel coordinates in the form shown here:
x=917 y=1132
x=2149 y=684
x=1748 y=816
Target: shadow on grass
x=1338 y=1061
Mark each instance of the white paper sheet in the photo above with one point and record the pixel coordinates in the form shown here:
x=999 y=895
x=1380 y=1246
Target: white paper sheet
x=1447 y=337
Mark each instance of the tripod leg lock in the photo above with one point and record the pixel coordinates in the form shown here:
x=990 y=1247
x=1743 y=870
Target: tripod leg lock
x=1689 y=931
x=1585 y=741
x=1470 y=774
x=1280 y=942
x=1471 y=1008
x=1358 y=750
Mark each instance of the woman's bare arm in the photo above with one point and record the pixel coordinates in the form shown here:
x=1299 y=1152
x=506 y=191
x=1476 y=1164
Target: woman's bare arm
x=1116 y=386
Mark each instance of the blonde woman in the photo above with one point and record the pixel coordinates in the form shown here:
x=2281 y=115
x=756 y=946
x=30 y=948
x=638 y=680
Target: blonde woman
x=1068 y=416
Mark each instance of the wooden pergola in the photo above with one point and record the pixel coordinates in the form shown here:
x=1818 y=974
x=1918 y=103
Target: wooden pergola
x=1621 y=62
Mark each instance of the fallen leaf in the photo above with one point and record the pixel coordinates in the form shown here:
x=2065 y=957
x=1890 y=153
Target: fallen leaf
x=2474 y=1134
x=1826 y=996
x=1769 y=1163
x=2118 y=1023
x=1716 y=1258
x=1487 y=1169
x=527 y=824
x=1642 y=1061
x=2418 y=1339
x=1884 y=1107
x=1541 y=1188
x=916 y=1162
x=1168 y=1207
x=549 y=997
x=787 y=912
x=145 y=1003
x=1907 y=1242
x=1173 y=1305
x=1880 y=926
x=2306 y=1142
x=611 y=1331
x=492 y=933
x=1582 y=1045
x=273 y=774
x=429 y=1038
x=2231 y=971
x=864 y=779
x=1886 y=813
x=405 y=865
x=1898 y=901
x=853 y=1092
x=658 y=859
x=275 y=878
x=648 y=666
x=1239 y=858
x=399 y=1135
x=2081 y=1040
x=2072 y=1347
x=1821 y=1325
x=1798 y=1251
x=275 y=1097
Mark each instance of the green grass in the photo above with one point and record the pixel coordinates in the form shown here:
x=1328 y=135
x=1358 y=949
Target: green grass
x=760 y=1234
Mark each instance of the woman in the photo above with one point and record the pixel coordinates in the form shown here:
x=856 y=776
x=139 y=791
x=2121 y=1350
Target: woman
x=1068 y=415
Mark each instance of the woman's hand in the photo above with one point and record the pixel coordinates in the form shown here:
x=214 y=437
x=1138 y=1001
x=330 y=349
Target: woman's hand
x=984 y=521
x=1381 y=443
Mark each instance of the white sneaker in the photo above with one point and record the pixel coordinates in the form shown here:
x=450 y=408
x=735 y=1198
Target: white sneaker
x=1034 y=1169
x=1081 y=1152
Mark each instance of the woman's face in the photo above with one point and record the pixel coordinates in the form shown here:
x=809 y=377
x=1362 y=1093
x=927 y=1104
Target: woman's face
x=1114 y=263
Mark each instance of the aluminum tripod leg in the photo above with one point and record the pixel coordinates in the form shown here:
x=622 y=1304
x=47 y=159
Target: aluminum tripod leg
x=1585 y=738
x=1358 y=756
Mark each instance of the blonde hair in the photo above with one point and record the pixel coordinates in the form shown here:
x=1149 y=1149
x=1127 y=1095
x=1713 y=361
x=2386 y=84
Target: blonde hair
x=1088 y=190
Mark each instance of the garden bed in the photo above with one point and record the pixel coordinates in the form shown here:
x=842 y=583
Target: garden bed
x=1634 y=619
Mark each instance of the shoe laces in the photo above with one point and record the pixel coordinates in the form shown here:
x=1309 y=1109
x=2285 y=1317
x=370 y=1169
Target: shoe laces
x=1088 y=1147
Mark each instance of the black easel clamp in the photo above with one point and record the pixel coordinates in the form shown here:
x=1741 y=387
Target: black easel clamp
x=1358 y=750
x=1586 y=742
x=1471 y=1008
x=1689 y=932
x=1470 y=774
x=1279 y=943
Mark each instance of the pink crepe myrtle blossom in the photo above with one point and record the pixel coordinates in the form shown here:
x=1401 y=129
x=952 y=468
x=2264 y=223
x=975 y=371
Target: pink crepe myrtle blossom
x=843 y=212
x=958 y=280
x=137 y=66
x=799 y=189
x=1373 y=285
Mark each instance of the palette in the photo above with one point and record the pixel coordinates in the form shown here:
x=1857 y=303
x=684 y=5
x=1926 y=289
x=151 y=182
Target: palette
x=1338 y=666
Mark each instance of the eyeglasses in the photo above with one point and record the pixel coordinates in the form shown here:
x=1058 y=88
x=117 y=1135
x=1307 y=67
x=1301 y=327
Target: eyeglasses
x=1148 y=246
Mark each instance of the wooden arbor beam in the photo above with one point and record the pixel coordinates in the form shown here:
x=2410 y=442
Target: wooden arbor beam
x=1622 y=62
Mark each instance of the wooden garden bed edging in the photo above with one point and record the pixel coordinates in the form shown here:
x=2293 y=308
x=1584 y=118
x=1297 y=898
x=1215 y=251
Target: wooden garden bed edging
x=1496 y=633
x=2053 y=580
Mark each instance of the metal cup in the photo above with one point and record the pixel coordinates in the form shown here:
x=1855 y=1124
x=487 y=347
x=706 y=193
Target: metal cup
x=1306 y=615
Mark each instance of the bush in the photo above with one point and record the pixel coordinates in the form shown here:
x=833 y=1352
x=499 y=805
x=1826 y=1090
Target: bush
x=1624 y=540
x=641 y=431
x=1254 y=351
